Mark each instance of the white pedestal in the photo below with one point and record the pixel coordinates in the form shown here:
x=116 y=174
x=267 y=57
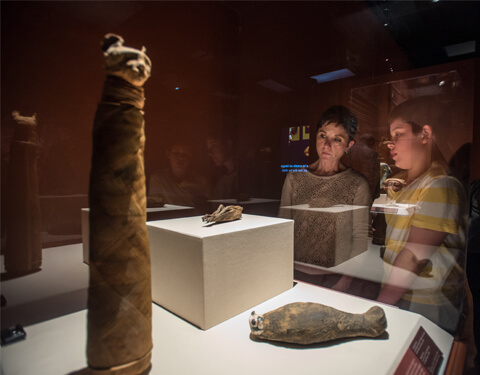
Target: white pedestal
x=209 y=273
x=334 y=249
x=167 y=211
x=57 y=346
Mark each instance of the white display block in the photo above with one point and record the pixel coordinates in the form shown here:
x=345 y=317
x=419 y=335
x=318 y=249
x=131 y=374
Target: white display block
x=335 y=249
x=209 y=273
x=167 y=209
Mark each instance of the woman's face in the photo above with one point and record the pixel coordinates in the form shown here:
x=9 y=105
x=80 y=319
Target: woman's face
x=405 y=145
x=332 y=140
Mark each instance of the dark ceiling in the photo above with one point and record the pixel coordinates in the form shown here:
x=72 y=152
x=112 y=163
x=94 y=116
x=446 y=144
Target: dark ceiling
x=281 y=42
x=423 y=29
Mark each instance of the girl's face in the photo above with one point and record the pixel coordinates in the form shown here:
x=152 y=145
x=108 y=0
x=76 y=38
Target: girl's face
x=179 y=157
x=404 y=146
x=332 y=140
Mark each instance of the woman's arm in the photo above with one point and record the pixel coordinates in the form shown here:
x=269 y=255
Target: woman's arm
x=420 y=246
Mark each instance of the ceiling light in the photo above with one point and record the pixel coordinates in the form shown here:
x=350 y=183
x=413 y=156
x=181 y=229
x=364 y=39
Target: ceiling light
x=274 y=86
x=225 y=95
x=460 y=48
x=332 y=76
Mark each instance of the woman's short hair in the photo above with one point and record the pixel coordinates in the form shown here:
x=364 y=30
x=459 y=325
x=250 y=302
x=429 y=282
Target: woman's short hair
x=342 y=116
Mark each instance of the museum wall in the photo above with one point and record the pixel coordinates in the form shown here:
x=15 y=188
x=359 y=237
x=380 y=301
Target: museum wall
x=52 y=65
x=238 y=70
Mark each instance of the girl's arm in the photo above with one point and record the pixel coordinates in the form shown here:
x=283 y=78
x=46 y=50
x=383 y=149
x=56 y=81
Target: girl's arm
x=420 y=246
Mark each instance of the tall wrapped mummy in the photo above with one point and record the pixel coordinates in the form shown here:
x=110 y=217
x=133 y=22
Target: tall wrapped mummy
x=119 y=295
x=23 y=248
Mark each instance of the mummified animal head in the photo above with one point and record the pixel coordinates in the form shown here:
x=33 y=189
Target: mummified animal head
x=395 y=184
x=256 y=323
x=23 y=120
x=131 y=64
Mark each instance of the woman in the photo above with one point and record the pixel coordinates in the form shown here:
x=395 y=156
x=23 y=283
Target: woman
x=326 y=237
x=424 y=257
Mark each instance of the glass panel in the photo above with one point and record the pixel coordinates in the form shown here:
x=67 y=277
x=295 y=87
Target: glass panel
x=231 y=117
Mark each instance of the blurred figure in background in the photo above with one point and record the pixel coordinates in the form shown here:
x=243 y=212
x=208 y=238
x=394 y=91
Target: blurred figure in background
x=224 y=184
x=179 y=183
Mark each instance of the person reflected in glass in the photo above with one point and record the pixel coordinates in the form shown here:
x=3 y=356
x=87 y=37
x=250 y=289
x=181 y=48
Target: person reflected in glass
x=326 y=235
x=178 y=184
x=424 y=258
x=224 y=183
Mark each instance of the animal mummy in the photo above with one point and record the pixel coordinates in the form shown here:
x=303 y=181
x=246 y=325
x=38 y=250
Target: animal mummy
x=223 y=214
x=309 y=323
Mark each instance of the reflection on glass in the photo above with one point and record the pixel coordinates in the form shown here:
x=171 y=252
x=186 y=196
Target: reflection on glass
x=329 y=203
x=225 y=181
x=179 y=183
x=392 y=186
x=424 y=258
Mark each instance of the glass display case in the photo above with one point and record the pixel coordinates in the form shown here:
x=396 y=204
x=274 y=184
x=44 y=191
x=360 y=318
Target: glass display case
x=344 y=129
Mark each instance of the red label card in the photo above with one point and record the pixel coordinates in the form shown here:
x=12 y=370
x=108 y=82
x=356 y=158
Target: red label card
x=423 y=357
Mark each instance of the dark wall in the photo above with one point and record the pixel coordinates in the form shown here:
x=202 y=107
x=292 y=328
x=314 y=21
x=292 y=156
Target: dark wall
x=215 y=53
x=52 y=65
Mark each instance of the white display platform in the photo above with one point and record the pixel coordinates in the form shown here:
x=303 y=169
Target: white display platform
x=367 y=265
x=167 y=208
x=208 y=273
x=370 y=266
x=381 y=205
x=400 y=209
x=335 y=249
x=59 y=288
x=58 y=346
x=333 y=209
